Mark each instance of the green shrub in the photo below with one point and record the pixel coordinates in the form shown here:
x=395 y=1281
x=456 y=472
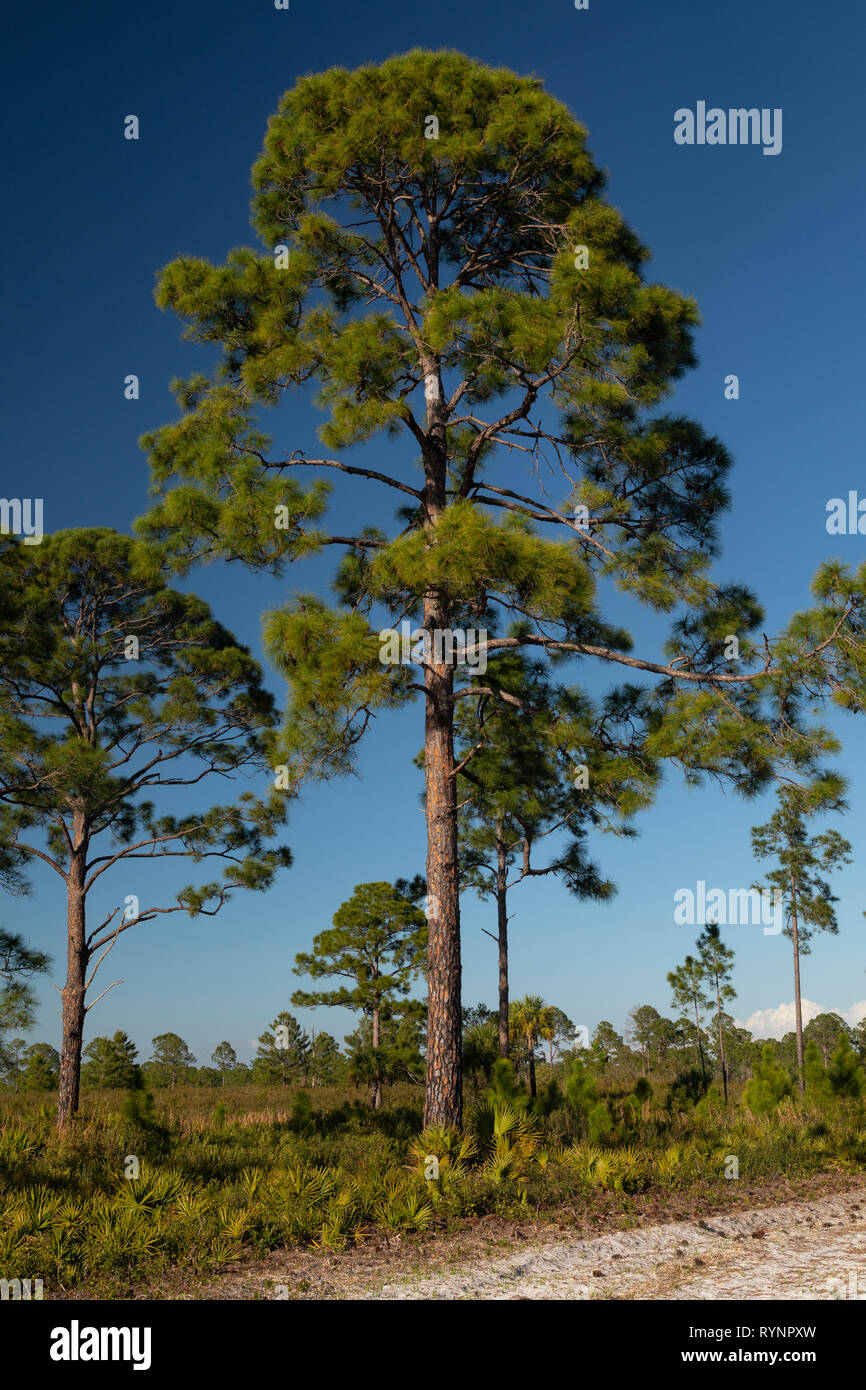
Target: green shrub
x=504 y=1088
x=845 y=1074
x=769 y=1085
x=581 y=1088
x=815 y=1074
x=598 y=1123
x=687 y=1089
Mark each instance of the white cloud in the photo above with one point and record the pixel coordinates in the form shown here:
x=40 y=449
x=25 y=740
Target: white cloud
x=774 y=1023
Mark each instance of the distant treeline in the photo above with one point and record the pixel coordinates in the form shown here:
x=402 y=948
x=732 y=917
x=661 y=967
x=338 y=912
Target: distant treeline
x=654 y=1046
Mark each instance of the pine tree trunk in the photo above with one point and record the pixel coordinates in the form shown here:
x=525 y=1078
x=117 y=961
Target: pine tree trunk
x=502 y=915
x=795 y=938
x=72 y=995
x=700 y=1044
x=443 y=1101
x=443 y=1104
x=376 y=1082
x=532 y=1071
x=722 y=1042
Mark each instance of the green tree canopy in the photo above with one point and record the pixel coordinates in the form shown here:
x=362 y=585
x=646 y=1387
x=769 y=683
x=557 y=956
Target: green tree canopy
x=464 y=289
x=769 y=1085
x=283 y=1053
x=643 y=1023
x=688 y=989
x=824 y=1030
x=845 y=1074
x=224 y=1059
x=541 y=760
x=172 y=1060
x=114 y=687
x=803 y=861
x=327 y=1064
x=717 y=961
x=42 y=1070
x=110 y=1063
x=377 y=943
x=19 y=963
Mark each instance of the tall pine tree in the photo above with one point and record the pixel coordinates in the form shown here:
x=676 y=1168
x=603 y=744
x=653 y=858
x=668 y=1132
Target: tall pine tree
x=803 y=861
x=377 y=944
x=114 y=687
x=440 y=264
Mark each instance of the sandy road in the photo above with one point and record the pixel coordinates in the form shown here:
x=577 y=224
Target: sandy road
x=772 y=1243
x=810 y=1250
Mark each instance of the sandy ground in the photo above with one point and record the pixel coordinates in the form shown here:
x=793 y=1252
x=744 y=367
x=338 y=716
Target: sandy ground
x=800 y=1251
x=813 y=1247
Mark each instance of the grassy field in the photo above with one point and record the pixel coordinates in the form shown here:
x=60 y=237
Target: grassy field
x=195 y=1180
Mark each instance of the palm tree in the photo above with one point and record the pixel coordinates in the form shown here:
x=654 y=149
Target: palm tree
x=528 y=1018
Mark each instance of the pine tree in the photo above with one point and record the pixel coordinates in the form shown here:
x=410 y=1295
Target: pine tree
x=608 y=1046
x=581 y=1088
x=224 y=1059
x=817 y=1087
x=440 y=264
x=643 y=1021
x=110 y=1064
x=688 y=988
x=377 y=942
x=42 y=1070
x=716 y=961
x=824 y=1030
x=845 y=1075
x=481 y=1048
x=282 y=1054
x=540 y=760
x=769 y=1084
x=11 y=1057
x=399 y=1056
x=112 y=687
x=19 y=963
x=171 y=1062
x=738 y=1048
x=803 y=861
x=326 y=1061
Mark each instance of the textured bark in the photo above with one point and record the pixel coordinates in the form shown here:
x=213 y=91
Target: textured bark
x=443 y=1103
x=700 y=1044
x=502 y=913
x=376 y=1082
x=722 y=1057
x=795 y=938
x=72 y=995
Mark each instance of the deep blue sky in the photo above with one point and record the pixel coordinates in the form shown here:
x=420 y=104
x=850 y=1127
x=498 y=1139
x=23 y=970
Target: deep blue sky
x=771 y=247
